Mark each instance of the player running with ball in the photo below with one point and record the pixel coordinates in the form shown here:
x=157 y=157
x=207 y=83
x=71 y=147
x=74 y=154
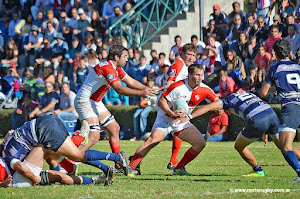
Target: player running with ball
x=193 y=91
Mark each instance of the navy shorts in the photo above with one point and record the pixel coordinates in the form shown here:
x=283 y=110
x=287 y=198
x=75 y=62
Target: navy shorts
x=14 y=150
x=289 y=118
x=51 y=132
x=266 y=121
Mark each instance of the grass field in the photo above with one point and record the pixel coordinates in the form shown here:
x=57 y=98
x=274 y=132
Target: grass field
x=217 y=173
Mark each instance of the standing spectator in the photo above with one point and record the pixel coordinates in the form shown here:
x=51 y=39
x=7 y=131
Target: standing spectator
x=217 y=129
x=176 y=48
x=108 y=9
x=221 y=20
x=21 y=114
x=81 y=73
x=274 y=37
x=41 y=5
x=264 y=8
x=67 y=111
x=236 y=10
x=49 y=102
x=293 y=38
x=226 y=85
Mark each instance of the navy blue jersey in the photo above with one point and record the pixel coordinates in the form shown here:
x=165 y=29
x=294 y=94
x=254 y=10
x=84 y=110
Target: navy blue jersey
x=286 y=77
x=246 y=105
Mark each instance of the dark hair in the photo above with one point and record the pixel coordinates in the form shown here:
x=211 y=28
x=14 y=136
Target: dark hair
x=235 y=3
x=282 y=48
x=250 y=15
x=142 y=57
x=275 y=27
x=163 y=54
x=194 y=37
x=189 y=46
x=192 y=67
x=151 y=77
x=292 y=25
x=177 y=36
x=262 y=46
x=115 y=50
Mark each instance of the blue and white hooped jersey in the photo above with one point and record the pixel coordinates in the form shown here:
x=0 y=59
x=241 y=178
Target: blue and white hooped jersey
x=246 y=105
x=286 y=77
x=26 y=134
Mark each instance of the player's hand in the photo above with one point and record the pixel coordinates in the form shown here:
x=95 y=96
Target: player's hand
x=6 y=182
x=19 y=111
x=148 y=91
x=181 y=120
x=36 y=180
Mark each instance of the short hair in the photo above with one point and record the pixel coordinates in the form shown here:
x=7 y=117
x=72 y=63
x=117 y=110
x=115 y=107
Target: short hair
x=117 y=7
x=142 y=57
x=262 y=46
x=115 y=50
x=275 y=27
x=250 y=15
x=194 y=37
x=192 y=67
x=153 y=51
x=177 y=36
x=292 y=25
x=65 y=83
x=236 y=3
x=189 y=46
x=223 y=73
x=151 y=77
x=282 y=48
x=290 y=15
x=161 y=54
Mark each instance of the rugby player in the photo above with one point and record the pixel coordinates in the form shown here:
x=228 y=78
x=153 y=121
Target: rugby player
x=285 y=75
x=191 y=90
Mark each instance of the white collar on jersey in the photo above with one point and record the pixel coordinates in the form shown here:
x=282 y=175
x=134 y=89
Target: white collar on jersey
x=188 y=86
x=113 y=64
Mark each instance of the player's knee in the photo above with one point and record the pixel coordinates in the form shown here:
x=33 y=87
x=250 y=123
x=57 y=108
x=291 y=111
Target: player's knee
x=94 y=137
x=285 y=149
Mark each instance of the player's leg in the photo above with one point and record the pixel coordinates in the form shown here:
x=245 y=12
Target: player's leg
x=176 y=144
x=193 y=136
x=91 y=125
x=155 y=138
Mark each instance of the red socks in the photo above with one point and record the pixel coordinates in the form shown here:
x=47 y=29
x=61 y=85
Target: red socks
x=135 y=160
x=188 y=157
x=175 y=150
x=115 y=147
x=67 y=165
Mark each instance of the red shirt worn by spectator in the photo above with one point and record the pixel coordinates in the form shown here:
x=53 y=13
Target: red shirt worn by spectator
x=262 y=61
x=217 y=121
x=270 y=42
x=229 y=88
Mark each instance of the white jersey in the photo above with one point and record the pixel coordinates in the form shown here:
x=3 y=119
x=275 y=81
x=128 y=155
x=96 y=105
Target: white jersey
x=178 y=71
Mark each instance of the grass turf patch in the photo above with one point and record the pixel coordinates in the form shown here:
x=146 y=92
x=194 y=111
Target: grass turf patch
x=217 y=173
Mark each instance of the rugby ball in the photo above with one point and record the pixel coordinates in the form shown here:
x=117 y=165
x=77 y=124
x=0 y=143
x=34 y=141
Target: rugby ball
x=181 y=105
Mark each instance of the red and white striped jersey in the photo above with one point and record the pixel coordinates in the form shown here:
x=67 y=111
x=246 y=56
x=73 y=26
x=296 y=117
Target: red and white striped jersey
x=4 y=170
x=98 y=81
x=178 y=71
x=181 y=90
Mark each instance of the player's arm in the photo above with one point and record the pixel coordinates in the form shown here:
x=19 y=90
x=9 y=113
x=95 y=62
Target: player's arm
x=123 y=90
x=25 y=171
x=264 y=90
x=132 y=83
x=168 y=84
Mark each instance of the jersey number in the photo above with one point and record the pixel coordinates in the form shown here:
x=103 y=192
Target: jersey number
x=293 y=78
x=245 y=96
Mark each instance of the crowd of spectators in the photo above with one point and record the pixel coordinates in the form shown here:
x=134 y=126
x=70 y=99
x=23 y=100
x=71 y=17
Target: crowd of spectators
x=48 y=48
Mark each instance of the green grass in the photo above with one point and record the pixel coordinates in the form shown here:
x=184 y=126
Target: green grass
x=217 y=171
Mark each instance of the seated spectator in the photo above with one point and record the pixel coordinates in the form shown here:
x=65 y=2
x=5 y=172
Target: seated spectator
x=132 y=61
x=176 y=48
x=67 y=111
x=99 y=44
x=200 y=45
x=23 y=27
x=211 y=30
x=60 y=6
x=251 y=10
x=10 y=59
x=252 y=77
x=140 y=73
x=59 y=48
x=9 y=7
x=41 y=5
x=290 y=20
x=50 y=18
x=236 y=10
x=217 y=129
x=226 y=85
x=12 y=26
x=112 y=20
x=293 y=38
x=216 y=48
x=262 y=58
x=250 y=30
x=88 y=43
x=286 y=7
x=297 y=12
x=108 y=43
x=271 y=40
x=236 y=28
x=82 y=24
x=81 y=73
x=46 y=52
x=282 y=26
x=74 y=18
x=261 y=30
x=141 y=113
x=63 y=21
x=264 y=8
x=163 y=68
x=235 y=67
x=97 y=28
x=21 y=114
x=108 y=9
x=251 y=51
x=50 y=32
x=104 y=55
x=214 y=78
x=153 y=54
x=241 y=45
x=39 y=21
x=48 y=103
x=34 y=44
x=160 y=62
x=112 y=98
x=221 y=21
x=259 y=79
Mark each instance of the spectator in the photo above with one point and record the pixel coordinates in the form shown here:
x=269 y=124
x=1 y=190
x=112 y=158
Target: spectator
x=274 y=37
x=41 y=5
x=251 y=10
x=74 y=19
x=63 y=22
x=12 y=26
x=160 y=62
x=135 y=59
x=82 y=24
x=141 y=113
x=60 y=6
x=262 y=58
x=92 y=60
x=286 y=7
x=9 y=7
x=108 y=9
x=296 y=12
x=217 y=50
x=130 y=59
x=81 y=73
x=236 y=10
x=104 y=55
x=282 y=26
x=259 y=79
x=67 y=111
x=293 y=38
x=251 y=50
x=11 y=57
x=163 y=68
x=112 y=20
x=252 y=77
x=214 y=78
x=290 y=20
x=49 y=102
x=21 y=114
x=108 y=43
x=235 y=67
x=264 y=8
x=261 y=30
x=99 y=44
x=97 y=27
x=46 y=52
x=52 y=19
x=119 y=3
x=217 y=127
x=59 y=47
x=112 y=98
x=39 y=21
x=221 y=20
x=200 y=45
x=48 y=73
x=176 y=48
x=140 y=73
x=243 y=43
x=250 y=30
x=237 y=27
x=211 y=30
x=34 y=41
x=24 y=26
x=50 y=32
x=226 y=85
x=88 y=44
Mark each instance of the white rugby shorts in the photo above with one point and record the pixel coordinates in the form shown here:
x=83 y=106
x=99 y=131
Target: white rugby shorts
x=165 y=124
x=20 y=180
x=89 y=108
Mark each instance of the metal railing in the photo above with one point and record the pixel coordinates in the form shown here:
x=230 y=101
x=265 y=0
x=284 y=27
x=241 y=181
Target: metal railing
x=146 y=18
